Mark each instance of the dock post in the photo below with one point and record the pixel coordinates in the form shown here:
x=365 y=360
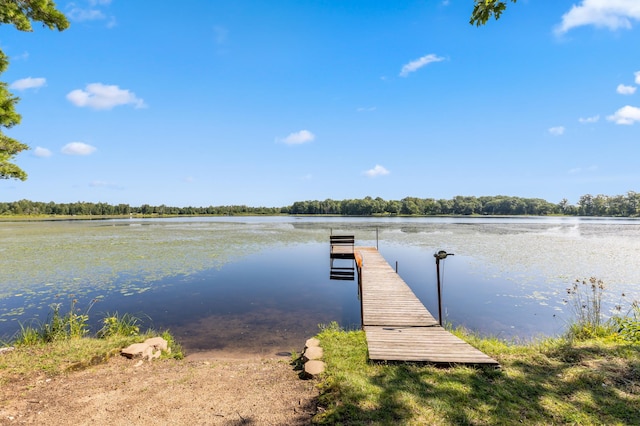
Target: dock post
x=440 y=255
x=376 y=238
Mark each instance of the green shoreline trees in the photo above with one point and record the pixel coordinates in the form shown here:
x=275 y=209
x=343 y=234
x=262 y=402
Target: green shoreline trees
x=627 y=205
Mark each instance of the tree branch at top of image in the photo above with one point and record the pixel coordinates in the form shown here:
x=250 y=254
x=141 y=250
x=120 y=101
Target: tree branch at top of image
x=21 y=14
x=483 y=10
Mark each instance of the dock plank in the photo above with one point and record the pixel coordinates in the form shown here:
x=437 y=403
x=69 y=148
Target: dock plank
x=386 y=299
x=426 y=344
x=397 y=325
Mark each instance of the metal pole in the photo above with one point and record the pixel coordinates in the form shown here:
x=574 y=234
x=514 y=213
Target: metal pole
x=376 y=238
x=396 y=266
x=439 y=291
x=440 y=255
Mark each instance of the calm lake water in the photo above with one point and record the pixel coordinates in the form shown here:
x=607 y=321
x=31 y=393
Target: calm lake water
x=261 y=285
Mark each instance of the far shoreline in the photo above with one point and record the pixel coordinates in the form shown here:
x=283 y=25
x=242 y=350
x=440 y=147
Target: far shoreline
x=71 y=218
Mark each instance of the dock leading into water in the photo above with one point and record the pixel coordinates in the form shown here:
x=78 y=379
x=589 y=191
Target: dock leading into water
x=397 y=325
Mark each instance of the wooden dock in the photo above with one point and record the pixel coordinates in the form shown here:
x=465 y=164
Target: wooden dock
x=397 y=325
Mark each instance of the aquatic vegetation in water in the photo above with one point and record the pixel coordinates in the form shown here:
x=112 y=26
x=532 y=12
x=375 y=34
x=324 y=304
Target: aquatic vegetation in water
x=45 y=259
x=505 y=266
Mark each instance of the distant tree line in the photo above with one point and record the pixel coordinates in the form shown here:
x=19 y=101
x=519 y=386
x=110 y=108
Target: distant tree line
x=26 y=207
x=589 y=205
x=627 y=205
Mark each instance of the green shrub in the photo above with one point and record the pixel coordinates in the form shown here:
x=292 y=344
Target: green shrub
x=629 y=325
x=175 y=349
x=74 y=324
x=119 y=325
x=28 y=336
x=585 y=300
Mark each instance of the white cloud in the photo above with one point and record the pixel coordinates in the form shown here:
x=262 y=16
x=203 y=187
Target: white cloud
x=557 y=131
x=41 y=152
x=101 y=96
x=637 y=75
x=80 y=15
x=625 y=115
x=593 y=119
x=611 y=14
x=298 y=138
x=28 y=83
x=419 y=63
x=90 y=12
x=625 y=90
x=78 y=148
x=378 y=170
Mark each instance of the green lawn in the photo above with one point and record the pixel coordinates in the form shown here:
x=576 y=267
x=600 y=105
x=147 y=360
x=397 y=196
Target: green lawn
x=556 y=381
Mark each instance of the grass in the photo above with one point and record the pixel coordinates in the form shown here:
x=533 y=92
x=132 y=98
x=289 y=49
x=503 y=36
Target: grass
x=591 y=376
x=119 y=325
x=62 y=343
x=555 y=381
x=74 y=324
x=60 y=356
x=63 y=355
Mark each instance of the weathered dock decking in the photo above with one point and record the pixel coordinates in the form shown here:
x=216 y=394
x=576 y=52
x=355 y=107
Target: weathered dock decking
x=397 y=325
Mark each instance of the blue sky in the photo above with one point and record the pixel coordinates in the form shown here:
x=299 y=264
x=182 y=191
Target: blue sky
x=267 y=103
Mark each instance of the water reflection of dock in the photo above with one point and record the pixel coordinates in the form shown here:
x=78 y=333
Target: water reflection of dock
x=397 y=325
x=342 y=256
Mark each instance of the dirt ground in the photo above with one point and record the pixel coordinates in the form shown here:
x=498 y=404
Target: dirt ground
x=204 y=389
